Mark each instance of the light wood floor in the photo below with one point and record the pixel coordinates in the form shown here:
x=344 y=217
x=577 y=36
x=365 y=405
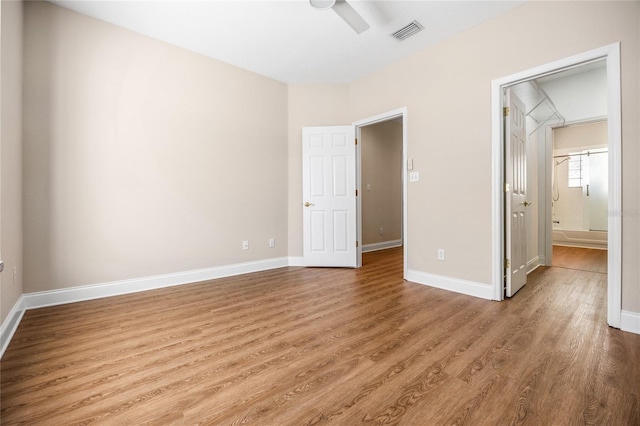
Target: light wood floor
x=298 y=346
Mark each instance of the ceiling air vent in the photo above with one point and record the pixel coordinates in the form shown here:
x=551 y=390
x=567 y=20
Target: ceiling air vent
x=408 y=31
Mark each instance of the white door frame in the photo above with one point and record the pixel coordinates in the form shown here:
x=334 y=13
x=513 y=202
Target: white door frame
x=611 y=53
x=400 y=112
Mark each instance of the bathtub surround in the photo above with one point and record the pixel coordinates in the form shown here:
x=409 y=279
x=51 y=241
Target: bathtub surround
x=579 y=238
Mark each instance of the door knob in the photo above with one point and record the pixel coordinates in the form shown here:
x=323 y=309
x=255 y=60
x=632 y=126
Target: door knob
x=307 y=204
x=526 y=203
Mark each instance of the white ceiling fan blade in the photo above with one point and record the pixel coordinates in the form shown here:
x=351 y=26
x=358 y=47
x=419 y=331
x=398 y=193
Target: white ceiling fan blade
x=350 y=16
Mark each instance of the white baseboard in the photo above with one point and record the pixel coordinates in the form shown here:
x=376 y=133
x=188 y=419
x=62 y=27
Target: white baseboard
x=534 y=263
x=299 y=260
x=10 y=324
x=116 y=288
x=483 y=291
x=96 y=291
x=630 y=321
x=296 y=261
x=381 y=246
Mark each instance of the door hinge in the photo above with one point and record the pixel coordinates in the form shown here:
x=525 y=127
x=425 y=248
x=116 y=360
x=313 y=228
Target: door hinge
x=507 y=263
x=507 y=187
x=505 y=111
x=356 y=244
x=356 y=192
x=356 y=141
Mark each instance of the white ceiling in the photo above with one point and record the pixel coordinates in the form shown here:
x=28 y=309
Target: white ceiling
x=290 y=41
x=577 y=94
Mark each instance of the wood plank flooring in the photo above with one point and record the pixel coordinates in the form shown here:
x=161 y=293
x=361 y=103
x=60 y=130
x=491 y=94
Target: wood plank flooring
x=585 y=259
x=311 y=346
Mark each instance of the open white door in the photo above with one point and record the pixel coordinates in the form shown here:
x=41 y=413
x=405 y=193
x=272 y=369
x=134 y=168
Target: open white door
x=329 y=196
x=515 y=193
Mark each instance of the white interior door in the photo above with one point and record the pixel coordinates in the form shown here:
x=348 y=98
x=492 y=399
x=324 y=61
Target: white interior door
x=329 y=196
x=515 y=195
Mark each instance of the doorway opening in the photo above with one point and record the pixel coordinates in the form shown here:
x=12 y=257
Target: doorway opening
x=381 y=182
x=579 y=182
x=381 y=177
x=566 y=166
x=610 y=56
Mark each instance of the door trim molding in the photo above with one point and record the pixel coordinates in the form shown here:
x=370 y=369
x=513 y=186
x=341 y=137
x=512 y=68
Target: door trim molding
x=611 y=53
x=385 y=116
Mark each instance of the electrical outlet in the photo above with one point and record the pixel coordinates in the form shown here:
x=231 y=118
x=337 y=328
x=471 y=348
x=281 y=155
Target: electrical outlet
x=272 y=242
x=440 y=254
x=381 y=231
x=15 y=275
x=414 y=177
x=245 y=245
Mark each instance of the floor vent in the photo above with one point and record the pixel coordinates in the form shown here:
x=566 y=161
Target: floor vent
x=408 y=31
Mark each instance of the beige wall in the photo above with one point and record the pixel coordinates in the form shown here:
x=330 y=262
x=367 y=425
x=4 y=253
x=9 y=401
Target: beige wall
x=631 y=295
x=446 y=89
x=142 y=158
x=381 y=173
x=11 y=155
x=309 y=105
x=584 y=136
